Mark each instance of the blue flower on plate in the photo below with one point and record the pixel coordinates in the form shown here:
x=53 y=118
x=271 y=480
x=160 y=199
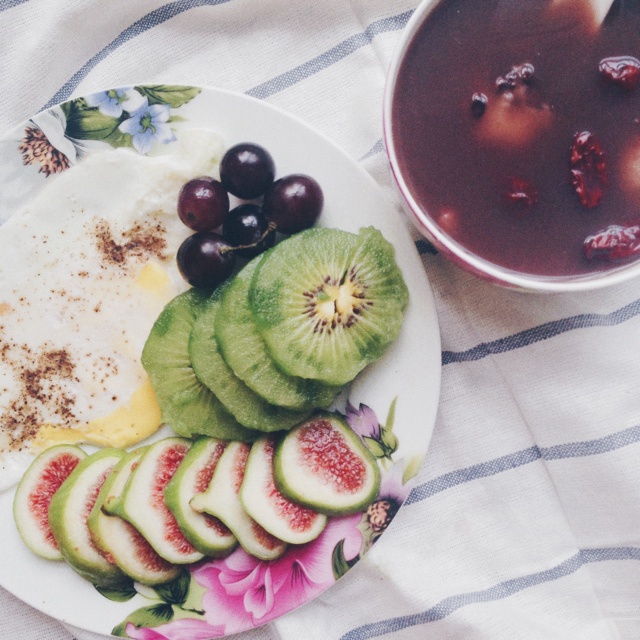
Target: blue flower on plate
x=148 y=124
x=115 y=101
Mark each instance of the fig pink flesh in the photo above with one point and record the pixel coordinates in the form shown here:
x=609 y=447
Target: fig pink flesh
x=264 y=537
x=92 y=496
x=203 y=477
x=167 y=464
x=299 y=518
x=240 y=462
x=214 y=523
x=326 y=452
x=57 y=471
x=144 y=552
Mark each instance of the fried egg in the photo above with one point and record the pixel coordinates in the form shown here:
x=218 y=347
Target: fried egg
x=85 y=269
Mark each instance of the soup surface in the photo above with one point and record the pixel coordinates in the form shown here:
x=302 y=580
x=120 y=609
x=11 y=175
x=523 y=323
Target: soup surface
x=517 y=128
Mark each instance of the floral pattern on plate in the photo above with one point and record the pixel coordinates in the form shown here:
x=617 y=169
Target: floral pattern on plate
x=228 y=595
x=139 y=117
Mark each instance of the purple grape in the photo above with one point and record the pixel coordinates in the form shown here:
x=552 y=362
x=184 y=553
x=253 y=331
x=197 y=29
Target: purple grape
x=247 y=170
x=205 y=259
x=203 y=204
x=293 y=203
x=247 y=227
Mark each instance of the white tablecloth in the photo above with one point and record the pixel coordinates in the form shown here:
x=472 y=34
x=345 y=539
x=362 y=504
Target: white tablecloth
x=525 y=520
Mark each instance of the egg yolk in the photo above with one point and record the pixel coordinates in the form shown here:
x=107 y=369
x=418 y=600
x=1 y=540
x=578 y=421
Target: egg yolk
x=153 y=278
x=127 y=425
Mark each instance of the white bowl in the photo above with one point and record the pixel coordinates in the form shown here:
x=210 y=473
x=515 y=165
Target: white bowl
x=444 y=243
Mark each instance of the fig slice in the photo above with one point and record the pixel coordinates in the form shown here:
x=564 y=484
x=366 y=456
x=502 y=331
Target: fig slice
x=119 y=540
x=33 y=496
x=68 y=513
x=281 y=517
x=322 y=464
x=205 y=532
x=143 y=504
x=114 y=487
x=221 y=499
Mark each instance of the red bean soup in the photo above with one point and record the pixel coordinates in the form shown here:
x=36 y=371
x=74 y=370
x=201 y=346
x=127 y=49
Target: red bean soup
x=517 y=128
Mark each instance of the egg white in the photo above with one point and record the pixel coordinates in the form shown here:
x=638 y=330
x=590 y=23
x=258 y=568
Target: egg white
x=74 y=316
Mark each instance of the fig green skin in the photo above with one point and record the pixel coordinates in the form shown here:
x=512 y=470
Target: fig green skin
x=112 y=535
x=180 y=491
x=293 y=286
x=117 y=481
x=69 y=526
x=248 y=408
x=28 y=527
x=245 y=352
x=298 y=483
x=187 y=405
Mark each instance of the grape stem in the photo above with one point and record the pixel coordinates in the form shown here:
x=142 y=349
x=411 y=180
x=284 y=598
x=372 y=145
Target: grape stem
x=271 y=228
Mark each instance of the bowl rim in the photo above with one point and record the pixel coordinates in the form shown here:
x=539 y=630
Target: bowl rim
x=477 y=265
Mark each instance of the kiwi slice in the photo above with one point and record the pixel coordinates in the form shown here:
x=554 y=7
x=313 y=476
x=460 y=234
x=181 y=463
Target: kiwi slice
x=248 y=408
x=328 y=302
x=187 y=405
x=246 y=354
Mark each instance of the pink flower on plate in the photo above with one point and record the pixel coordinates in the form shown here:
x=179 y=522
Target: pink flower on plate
x=184 y=629
x=243 y=592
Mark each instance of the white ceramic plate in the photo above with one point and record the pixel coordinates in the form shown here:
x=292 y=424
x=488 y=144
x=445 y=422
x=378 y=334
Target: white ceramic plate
x=400 y=391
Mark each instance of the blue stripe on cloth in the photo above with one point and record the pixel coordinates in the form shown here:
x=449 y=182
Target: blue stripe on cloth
x=268 y=88
x=377 y=148
x=8 y=4
x=543 y=332
x=611 y=442
x=499 y=591
x=148 y=21
x=331 y=56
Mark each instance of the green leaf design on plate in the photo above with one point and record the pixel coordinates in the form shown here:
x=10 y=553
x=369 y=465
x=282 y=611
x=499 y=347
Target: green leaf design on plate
x=90 y=124
x=173 y=95
x=152 y=616
x=176 y=591
x=338 y=561
x=192 y=606
x=412 y=468
x=119 y=594
x=375 y=447
x=391 y=415
x=66 y=107
x=119 y=139
x=389 y=441
x=383 y=448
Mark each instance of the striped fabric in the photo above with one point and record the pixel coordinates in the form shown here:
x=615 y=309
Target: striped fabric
x=525 y=520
